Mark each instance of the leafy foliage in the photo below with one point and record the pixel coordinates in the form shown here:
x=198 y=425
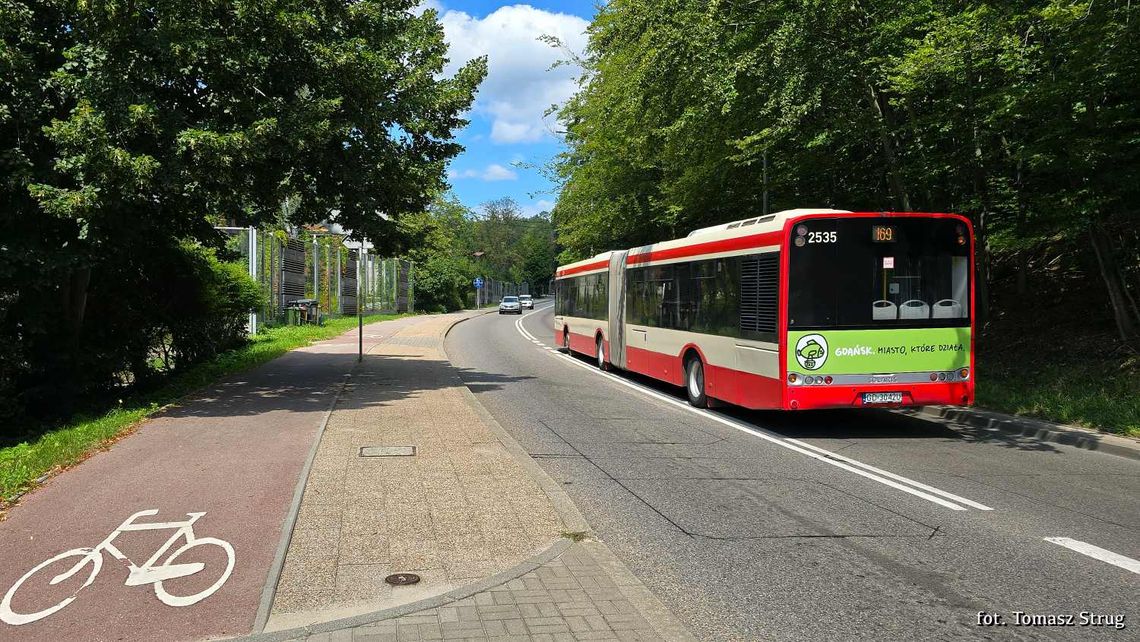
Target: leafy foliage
x=1023 y=115
x=454 y=245
x=128 y=130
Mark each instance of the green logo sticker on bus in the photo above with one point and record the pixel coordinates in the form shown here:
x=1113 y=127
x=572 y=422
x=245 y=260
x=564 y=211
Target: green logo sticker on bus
x=811 y=351
x=879 y=351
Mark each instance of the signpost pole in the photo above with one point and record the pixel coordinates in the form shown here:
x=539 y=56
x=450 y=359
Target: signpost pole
x=359 y=306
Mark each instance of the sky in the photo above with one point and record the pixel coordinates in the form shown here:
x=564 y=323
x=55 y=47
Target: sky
x=508 y=136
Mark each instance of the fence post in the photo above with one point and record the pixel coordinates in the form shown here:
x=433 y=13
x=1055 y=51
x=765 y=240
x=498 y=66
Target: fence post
x=251 y=241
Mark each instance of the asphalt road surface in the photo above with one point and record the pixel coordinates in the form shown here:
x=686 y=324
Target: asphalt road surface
x=820 y=525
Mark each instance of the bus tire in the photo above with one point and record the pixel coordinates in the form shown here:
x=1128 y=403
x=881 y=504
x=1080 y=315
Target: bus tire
x=695 y=382
x=600 y=352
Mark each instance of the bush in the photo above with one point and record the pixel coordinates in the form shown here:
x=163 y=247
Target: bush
x=440 y=284
x=149 y=311
x=211 y=313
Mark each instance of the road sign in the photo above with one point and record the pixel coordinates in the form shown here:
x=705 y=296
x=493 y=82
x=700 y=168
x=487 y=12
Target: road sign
x=478 y=282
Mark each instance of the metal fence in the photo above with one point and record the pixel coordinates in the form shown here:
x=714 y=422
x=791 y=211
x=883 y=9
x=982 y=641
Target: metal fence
x=493 y=291
x=318 y=268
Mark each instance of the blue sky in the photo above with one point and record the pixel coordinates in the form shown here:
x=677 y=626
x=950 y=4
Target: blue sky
x=507 y=126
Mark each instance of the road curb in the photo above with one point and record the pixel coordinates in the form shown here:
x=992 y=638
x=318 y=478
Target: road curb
x=1032 y=428
x=524 y=567
x=563 y=506
x=665 y=624
x=269 y=592
x=572 y=520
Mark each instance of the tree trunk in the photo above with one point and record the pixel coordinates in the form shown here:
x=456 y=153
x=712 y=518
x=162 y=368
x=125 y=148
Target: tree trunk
x=1126 y=323
x=981 y=243
x=1022 y=273
x=890 y=157
x=77 y=303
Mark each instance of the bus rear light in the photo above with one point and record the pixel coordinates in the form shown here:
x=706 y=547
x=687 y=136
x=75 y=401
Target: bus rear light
x=964 y=373
x=793 y=377
x=809 y=380
x=942 y=376
x=827 y=379
x=934 y=376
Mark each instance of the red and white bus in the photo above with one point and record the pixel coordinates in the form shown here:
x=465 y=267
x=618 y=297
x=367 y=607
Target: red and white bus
x=796 y=310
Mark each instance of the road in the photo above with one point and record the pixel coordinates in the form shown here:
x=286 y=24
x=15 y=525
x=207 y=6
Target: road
x=823 y=525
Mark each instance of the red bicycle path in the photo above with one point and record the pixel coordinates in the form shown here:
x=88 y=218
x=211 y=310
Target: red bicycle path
x=235 y=451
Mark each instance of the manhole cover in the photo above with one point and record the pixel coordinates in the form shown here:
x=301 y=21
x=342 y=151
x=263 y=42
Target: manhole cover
x=400 y=579
x=387 y=451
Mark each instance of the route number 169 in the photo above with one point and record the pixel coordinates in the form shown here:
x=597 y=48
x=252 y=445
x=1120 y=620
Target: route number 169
x=821 y=237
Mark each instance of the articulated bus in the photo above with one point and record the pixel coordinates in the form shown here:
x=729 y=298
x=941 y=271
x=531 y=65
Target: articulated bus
x=800 y=309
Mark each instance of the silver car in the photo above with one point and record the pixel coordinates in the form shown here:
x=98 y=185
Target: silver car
x=526 y=302
x=510 y=305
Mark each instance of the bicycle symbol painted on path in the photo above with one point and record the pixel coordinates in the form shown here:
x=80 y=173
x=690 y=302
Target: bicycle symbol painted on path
x=147 y=573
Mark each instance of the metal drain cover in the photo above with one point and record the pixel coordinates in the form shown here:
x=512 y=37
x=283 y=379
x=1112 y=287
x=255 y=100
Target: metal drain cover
x=388 y=451
x=402 y=579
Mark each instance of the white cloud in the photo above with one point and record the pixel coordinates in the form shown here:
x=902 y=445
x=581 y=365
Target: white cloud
x=537 y=207
x=493 y=172
x=518 y=87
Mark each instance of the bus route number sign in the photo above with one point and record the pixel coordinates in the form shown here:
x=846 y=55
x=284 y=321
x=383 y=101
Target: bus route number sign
x=883 y=233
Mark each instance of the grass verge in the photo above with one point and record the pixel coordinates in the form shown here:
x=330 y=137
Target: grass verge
x=26 y=464
x=1094 y=395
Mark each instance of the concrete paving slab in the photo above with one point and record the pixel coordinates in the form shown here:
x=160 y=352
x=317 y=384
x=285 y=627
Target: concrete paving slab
x=459 y=510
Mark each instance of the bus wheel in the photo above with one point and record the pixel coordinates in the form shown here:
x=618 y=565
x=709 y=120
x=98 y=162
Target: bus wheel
x=601 y=352
x=695 y=383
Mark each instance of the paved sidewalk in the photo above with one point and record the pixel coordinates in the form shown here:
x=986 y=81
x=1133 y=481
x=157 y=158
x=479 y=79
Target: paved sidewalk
x=470 y=512
x=584 y=594
x=460 y=510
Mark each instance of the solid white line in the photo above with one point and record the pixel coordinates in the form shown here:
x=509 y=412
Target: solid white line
x=911 y=486
x=886 y=473
x=1096 y=552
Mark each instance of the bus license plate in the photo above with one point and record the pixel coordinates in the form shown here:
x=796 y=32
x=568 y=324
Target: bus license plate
x=872 y=398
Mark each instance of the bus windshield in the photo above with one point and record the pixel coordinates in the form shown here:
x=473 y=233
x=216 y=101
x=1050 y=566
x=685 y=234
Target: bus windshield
x=889 y=272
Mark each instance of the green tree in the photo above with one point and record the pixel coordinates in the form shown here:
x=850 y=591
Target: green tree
x=1022 y=115
x=445 y=266
x=129 y=130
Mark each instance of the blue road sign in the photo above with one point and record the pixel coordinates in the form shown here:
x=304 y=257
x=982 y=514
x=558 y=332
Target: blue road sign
x=478 y=282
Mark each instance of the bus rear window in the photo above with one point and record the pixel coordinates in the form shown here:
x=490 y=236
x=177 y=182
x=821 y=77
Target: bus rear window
x=876 y=273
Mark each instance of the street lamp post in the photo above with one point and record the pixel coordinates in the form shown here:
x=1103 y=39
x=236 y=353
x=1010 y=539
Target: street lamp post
x=480 y=298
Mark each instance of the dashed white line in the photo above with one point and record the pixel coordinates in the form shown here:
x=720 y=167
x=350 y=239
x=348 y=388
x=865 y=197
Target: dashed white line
x=898 y=482
x=1096 y=552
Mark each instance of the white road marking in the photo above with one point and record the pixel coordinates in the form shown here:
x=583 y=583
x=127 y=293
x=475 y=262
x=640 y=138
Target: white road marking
x=898 y=482
x=1096 y=552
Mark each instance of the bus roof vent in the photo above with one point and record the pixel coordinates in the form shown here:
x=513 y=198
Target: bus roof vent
x=762 y=219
